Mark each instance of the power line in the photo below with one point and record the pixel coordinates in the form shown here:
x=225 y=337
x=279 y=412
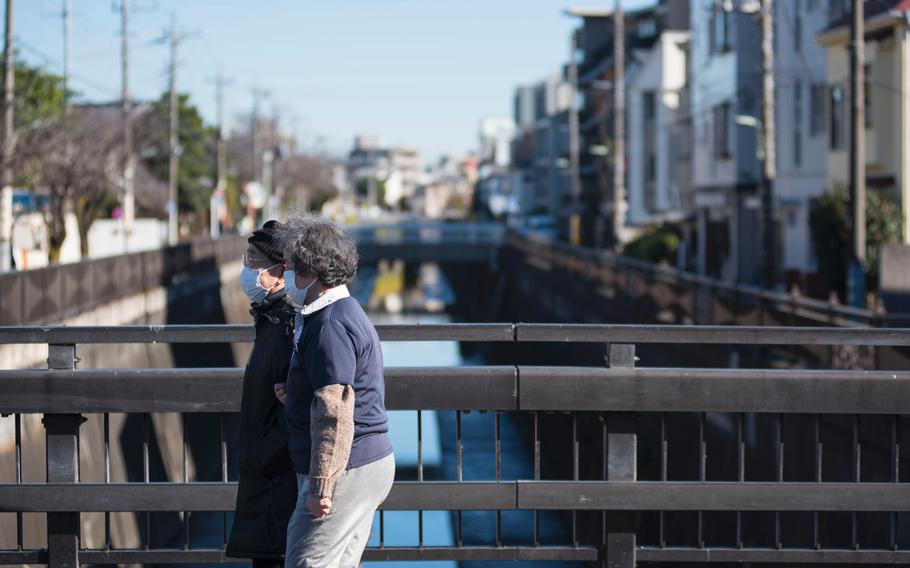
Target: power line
x=107 y=89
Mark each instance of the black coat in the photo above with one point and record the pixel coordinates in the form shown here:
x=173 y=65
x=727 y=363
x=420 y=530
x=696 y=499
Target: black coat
x=267 y=490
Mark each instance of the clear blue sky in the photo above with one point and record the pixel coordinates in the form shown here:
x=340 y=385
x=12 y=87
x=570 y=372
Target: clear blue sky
x=418 y=72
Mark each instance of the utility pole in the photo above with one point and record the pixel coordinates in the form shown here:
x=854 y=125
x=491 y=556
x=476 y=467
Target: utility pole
x=268 y=160
x=856 y=274
x=220 y=159
x=221 y=152
x=173 y=138
x=769 y=151
x=67 y=47
x=268 y=165
x=619 y=123
x=574 y=144
x=128 y=197
x=254 y=132
x=6 y=152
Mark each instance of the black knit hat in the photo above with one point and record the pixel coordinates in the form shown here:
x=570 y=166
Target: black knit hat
x=268 y=240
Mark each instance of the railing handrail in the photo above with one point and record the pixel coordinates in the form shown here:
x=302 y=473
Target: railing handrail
x=617 y=393
x=504 y=388
x=480 y=332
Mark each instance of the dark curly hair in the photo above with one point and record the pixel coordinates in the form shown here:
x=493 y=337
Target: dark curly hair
x=322 y=248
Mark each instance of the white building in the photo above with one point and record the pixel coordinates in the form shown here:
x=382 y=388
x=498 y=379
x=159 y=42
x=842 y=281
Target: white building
x=800 y=70
x=540 y=146
x=725 y=58
x=656 y=182
x=495 y=141
x=405 y=161
x=371 y=166
x=887 y=102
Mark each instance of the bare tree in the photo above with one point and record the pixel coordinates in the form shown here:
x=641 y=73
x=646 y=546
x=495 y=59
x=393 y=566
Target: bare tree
x=73 y=160
x=306 y=180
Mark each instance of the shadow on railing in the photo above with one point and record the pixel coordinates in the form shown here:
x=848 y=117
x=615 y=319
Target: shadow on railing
x=787 y=466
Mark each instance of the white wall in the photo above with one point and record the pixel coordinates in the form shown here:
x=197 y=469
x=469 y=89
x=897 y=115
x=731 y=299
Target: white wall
x=105 y=237
x=663 y=71
x=713 y=83
x=797 y=184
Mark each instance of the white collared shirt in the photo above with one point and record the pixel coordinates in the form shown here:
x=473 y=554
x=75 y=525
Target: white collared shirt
x=331 y=296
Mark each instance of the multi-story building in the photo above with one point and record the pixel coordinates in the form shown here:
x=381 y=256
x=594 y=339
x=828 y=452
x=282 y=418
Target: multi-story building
x=594 y=40
x=725 y=57
x=658 y=148
x=405 y=160
x=551 y=145
x=383 y=176
x=540 y=147
x=494 y=163
x=800 y=65
x=495 y=140
x=887 y=105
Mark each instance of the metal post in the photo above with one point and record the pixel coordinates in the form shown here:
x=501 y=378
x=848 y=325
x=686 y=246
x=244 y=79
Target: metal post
x=173 y=144
x=622 y=447
x=6 y=152
x=619 y=123
x=574 y=144
x=126 y=112
x=67 y=47
x=268 y=160
x=220 y=161
x=254 y=132
x=62 y=467
x=768 y=143
x=856 y=275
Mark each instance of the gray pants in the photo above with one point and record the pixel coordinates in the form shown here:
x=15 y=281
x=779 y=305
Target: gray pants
x=338 y=539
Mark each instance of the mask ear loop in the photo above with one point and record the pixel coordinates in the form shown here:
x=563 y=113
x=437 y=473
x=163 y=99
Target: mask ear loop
x=261 y=270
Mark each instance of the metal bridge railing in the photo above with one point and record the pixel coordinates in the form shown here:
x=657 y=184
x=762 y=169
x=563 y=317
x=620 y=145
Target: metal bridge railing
x=54 y=293
x=635 y=464
x=699 y=299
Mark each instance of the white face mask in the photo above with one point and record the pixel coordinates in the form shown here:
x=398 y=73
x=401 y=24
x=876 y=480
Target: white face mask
x=252 y=287
x=296 y=295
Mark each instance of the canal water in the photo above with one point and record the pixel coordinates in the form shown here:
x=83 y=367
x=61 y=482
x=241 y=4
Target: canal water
x=439 y=453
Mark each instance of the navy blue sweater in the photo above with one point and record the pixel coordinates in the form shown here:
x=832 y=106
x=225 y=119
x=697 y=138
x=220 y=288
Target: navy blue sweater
x=338 y=345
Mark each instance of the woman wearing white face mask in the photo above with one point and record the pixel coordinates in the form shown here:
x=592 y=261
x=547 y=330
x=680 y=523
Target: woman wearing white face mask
x=267 y=483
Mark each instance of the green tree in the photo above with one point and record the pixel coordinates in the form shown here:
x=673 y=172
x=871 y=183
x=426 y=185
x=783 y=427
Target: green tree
x=828 y=222
x=39 y=97
x=196 y=166
x=657 y=245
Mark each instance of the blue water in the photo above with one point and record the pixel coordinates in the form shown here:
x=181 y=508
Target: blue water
x=440 y=463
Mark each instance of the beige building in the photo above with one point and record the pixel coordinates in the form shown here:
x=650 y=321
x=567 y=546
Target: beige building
x=887 y=61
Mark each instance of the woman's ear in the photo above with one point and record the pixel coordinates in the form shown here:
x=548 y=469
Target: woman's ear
x=277 y=271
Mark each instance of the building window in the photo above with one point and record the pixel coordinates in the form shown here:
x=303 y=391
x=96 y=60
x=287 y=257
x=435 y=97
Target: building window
x=867 y=95
x=837 y=106
x=797 y=30
x=817 y=112
x=797 y=124
x=647 y=28
x=651 y=168
x=719 y=33
x=837 y=9
x=722 y=138
x=649 y=105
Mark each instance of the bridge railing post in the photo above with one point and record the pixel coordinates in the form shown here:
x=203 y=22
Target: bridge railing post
x=62 y=432
x=621 y=454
